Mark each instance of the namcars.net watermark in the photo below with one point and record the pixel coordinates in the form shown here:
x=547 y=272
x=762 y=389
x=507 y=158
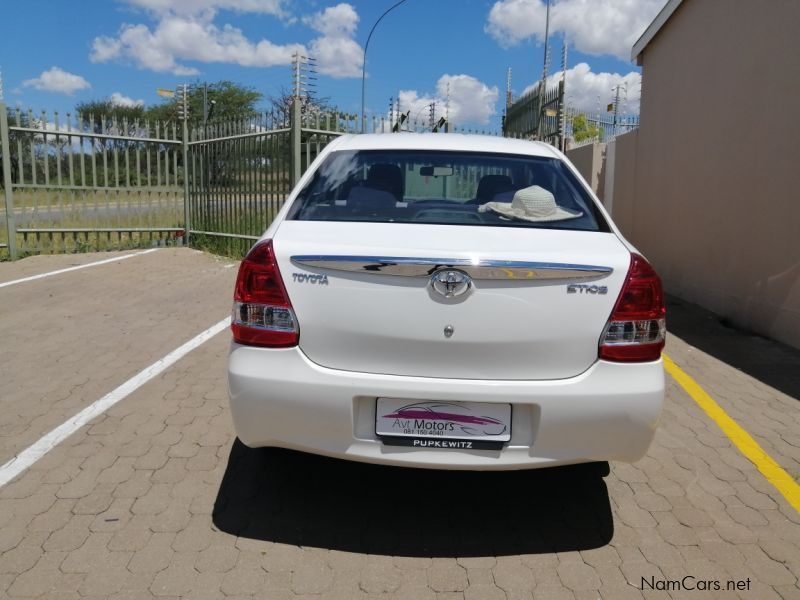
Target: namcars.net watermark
x=691 y=583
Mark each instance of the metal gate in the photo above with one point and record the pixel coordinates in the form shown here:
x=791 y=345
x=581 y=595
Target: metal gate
x=241 y=171
x=239 y=176
x=532 y=116
x=83 y=183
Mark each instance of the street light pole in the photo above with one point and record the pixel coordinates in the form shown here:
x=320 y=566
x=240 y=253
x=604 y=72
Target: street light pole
x=364 y=64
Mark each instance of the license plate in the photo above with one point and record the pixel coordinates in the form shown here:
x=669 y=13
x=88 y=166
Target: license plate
x=442 y=424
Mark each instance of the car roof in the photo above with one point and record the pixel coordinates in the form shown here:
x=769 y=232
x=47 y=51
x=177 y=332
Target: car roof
x=443 y=141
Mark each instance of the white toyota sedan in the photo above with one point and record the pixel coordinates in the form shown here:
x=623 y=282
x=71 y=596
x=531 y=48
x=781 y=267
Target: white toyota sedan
x=446 y=301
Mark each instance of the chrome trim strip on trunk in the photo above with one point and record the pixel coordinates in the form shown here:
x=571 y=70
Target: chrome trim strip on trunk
x=477 y=269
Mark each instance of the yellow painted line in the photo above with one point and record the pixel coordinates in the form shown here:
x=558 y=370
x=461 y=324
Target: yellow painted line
x=770 y=469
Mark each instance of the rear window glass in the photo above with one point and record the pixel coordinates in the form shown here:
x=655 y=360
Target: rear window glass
x=458 y=188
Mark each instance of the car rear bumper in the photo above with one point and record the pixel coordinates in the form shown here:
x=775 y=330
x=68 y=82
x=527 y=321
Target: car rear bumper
x=279 y=397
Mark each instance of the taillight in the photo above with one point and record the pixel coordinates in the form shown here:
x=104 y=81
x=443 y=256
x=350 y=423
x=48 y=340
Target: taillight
x=637 y=327
x=262 y=312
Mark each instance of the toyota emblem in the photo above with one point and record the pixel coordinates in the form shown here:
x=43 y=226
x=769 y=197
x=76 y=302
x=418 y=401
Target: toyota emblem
x=450 y=282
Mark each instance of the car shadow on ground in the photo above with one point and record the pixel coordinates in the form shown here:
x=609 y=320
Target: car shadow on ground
x=305 y=500
x=772 y=363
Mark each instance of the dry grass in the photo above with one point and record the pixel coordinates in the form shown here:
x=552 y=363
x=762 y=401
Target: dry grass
x=92 y=210
x=118 y=210
x=42 y=199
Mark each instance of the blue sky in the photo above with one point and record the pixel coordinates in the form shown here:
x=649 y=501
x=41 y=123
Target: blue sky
x=56 y=54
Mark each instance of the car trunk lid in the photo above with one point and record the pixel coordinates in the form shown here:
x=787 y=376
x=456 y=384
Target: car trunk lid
x=364 y=300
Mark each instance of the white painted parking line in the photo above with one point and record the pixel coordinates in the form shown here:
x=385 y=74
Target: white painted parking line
x=31 y=454
x=75 y=268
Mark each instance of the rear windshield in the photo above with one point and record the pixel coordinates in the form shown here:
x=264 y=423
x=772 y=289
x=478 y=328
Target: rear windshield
x=452 y=188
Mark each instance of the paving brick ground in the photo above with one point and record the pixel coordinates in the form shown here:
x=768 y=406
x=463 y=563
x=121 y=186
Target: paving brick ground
x=156 y=499
x=69 y=339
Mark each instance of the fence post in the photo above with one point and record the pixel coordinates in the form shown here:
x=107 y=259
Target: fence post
x=295 y=143
x=185 y=148
x=5 y=148
x=186 y=204
x=560 y=115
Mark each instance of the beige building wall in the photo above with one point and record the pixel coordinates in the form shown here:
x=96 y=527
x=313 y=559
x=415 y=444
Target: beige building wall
x=620 y=189
x=589 y=160
x=717 y=185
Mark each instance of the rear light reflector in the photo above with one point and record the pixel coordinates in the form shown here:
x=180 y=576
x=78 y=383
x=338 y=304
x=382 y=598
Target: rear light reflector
x=637 y=328
x=262 y=312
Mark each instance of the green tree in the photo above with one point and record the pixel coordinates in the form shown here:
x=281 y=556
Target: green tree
x=106 y=117
x=583 y=130
x=225 y=98
x=96 y=115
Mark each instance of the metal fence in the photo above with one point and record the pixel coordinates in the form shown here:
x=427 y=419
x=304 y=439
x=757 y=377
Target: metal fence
x=240 y=174
x=84 y=183
x=537 y=114
x=79 y=183
x=601 y=127
x=550 y=120
x=242 y=170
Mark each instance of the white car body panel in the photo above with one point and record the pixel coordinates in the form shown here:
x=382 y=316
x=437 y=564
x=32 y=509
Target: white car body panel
x=512 y=329
x=365 y=336
x=280 y=398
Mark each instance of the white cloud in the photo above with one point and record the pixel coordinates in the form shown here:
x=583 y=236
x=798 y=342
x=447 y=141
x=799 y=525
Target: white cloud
x=337 y=53
x=470 y=100
x=105 y=48
x=185 y=31
x=178 y=38
x=58 y=80
x=337 y=57
x=118 y=99
x=512 y=21
x=204 y=7
x=589 y=91
x=336 y=21
x=592 y=26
